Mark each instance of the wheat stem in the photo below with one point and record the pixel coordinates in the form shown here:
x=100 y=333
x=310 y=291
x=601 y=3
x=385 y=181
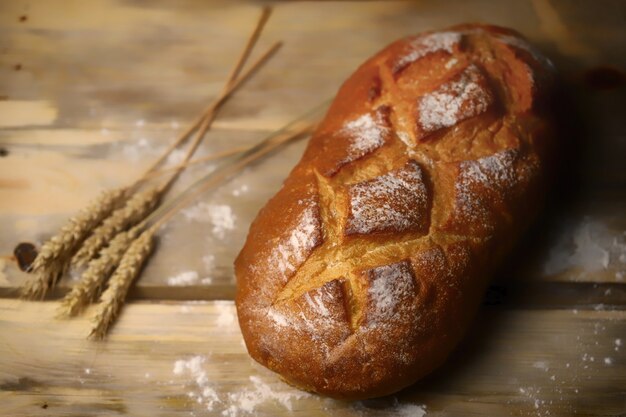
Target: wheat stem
x=207 y=158
x=229 y=88
x=94 y=277
x=54 y=257
x=136 y=209
x=113 y=297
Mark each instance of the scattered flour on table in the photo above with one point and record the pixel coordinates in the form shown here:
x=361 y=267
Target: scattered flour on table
x=396 y=408
x=246 y=401
x=183 y=278
x=589 y=245
x=240 y=190
x=410 y=410
x=188 y=278
x=543 y=365
x=221 y=216
x=208 y=261
x=226 y=315
x=194 y=367
x=138 y=150
x=176 y=157
x=241 y=402
x=3 y=277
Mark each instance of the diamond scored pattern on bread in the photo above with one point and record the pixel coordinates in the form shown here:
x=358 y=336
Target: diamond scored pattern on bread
x=363 y=272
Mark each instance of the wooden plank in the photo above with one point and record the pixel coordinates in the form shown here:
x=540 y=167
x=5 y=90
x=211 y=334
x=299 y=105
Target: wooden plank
x=194 y=256
x=89 y=96
x=161 y=358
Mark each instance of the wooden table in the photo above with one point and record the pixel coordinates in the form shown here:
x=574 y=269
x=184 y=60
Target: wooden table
x=91 y=91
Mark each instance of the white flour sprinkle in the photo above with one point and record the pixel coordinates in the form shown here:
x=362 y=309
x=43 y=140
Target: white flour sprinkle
x=452 y=62
x=316 y=302
x=396 y=408
x=522 y=44
x=138 y=150
x=543 y=365
x=241 y=190
x=410 y=410
x=496 y=172
x=243 y=402
x=221 y=216
x=183 y=278
x=3 y=278
x=390 y=285
x=396 y=200
x=367 y=134
x=589 y=245
x=176 y=157
x=246 y=401
x=194 y=367
x=428 y=44
x=277 y=317
x=225 y=317
x=208 y=261
x=293 y=250
x=454 y=101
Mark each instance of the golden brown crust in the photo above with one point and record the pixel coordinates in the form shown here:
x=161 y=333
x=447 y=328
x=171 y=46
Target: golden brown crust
x=362 y=273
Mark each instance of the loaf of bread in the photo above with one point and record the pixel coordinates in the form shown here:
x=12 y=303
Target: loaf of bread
x=364 y=271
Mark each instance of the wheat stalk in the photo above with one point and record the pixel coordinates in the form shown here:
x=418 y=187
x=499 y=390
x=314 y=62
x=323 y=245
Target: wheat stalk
x=136 y=209
x=131 y=261
x=113 y=297
x=94 y=277
x=115 y=224
x=54 y=257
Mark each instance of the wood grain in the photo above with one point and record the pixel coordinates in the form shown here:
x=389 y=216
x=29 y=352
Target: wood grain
x=515 y=362
x=89 y=93
x=101 y=88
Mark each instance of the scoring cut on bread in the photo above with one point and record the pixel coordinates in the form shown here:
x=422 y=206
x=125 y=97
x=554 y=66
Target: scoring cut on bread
x=364 y=271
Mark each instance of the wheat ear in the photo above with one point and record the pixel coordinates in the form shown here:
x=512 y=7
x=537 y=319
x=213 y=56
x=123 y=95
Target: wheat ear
x=136 y=209
x=94 y=277
x=54 y=257
x=113 y=297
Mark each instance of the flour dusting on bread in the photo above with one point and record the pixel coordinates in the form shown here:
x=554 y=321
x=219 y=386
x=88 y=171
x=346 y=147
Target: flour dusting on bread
x=390 y=285
x=412 y=229
x=396 y=201
x=462 y=98
x=428 y=44
x=367 y=133
x=305 y=235
x=495 y=173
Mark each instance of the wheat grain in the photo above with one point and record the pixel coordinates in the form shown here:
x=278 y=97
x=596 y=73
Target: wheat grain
x=95 y=276
x=113 y=297
x=54 y=256
x=136 y=209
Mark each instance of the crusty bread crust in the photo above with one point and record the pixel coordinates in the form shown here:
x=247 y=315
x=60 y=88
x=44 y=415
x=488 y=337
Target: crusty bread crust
x=363 y=272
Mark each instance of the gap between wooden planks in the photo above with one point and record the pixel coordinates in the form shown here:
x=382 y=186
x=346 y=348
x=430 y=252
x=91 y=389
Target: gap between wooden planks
x=514 y=362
